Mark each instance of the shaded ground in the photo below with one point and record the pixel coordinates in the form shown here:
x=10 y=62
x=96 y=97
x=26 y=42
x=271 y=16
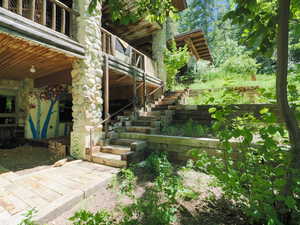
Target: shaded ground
x=205 y=210
x=25 y=157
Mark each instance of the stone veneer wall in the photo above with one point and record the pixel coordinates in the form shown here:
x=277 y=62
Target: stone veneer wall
x=86 y=81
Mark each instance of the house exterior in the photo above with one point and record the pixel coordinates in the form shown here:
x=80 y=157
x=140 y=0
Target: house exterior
x=63 y=71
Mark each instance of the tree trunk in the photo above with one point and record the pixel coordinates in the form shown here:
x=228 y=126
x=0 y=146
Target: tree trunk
x=282 y=100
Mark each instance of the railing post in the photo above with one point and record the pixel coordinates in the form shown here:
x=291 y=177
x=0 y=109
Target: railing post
x=63 y=21
x=144 y=91
x=20 y=7
x=113 y=45
x=44 y=13
x=53 y=21
x=32 y=10
x=134 y=94
x=106 y=94
x=5 y=4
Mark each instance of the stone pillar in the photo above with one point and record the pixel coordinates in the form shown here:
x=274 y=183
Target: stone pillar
x=158 y=48
x=171 y=29
x=86 y=82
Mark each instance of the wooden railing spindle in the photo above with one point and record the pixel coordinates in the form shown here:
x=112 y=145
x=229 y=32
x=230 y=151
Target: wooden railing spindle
x=63 y=21
x=5 y=4
x=44 y=13
x=53 y=26
x=20 y=7
x=32 y=9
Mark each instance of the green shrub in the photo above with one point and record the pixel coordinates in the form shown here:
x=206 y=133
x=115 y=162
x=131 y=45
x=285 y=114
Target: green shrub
x=84 y=217
x=175 y=58
x=188 y=129
x=253 y=175
x=242 y=64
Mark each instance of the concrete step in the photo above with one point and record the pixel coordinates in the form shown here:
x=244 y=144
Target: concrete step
x=122 y=142
x=139 y=129
x=150 y=118
x=145 y=123
x=115 y=149
x=109 y=159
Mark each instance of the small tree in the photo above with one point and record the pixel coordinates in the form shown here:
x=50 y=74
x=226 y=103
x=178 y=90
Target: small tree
x=175 y=58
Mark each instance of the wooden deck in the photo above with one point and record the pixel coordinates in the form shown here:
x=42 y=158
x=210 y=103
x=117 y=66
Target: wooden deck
x=49 y=191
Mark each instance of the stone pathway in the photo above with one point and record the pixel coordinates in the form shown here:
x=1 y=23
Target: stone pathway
x=50 y=191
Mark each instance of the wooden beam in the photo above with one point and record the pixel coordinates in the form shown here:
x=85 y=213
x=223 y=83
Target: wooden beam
x=192 y=47
x=122 y=78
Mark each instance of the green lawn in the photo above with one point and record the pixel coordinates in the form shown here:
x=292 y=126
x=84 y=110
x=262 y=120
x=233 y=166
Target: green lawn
x=219 y=81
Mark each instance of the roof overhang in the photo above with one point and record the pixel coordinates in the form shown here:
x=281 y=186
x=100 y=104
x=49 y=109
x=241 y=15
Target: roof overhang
x=196 y=43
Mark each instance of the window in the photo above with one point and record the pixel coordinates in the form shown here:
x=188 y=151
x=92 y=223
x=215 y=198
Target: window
x=65 y=110
x=7 y=104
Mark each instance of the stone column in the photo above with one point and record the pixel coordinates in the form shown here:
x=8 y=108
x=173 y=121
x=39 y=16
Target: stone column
x=171 y=29
x=158 y=48
x=86 y=82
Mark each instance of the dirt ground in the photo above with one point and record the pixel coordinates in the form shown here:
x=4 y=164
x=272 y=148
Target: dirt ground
x=25 y=158
x=200 y=211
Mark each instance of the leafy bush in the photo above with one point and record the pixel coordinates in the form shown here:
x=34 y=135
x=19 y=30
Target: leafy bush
x=175 y=58
x=158 y=205
x=84 y=217
x=188 y=129
x=254 y=176
x=241 y=64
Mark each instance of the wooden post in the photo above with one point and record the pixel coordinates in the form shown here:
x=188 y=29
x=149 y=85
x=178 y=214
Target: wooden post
x=63 y=21
x=134 y=93
x=113 y=45
x=144 y=91
x=44 y=13
x=32 y=10
x=53 y=21
x=71 y=18
x=20 y=7
x=106 y=94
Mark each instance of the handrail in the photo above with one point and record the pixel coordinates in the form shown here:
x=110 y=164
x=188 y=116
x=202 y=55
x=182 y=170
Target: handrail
x=136 y=57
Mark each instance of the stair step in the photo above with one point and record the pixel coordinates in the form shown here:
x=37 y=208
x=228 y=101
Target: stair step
x=150 y=118
x=141 y=123
x=115 y=149
x=109 y=159
x=122 y=142
x=139 y=129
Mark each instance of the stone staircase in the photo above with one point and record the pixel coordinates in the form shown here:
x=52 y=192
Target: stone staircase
x=118 y=152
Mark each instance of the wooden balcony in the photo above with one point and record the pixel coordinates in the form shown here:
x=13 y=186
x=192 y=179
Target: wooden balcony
x=124 y=57
x=51 y=13
x=47 y=22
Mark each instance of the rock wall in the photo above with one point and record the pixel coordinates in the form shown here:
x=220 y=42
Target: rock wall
x=86 y=81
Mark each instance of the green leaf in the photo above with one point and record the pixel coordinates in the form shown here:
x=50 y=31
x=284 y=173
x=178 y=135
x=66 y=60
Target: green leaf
x=264 y=111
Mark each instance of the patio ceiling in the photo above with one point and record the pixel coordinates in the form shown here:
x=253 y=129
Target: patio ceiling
x=196 y=43
x=18 y=55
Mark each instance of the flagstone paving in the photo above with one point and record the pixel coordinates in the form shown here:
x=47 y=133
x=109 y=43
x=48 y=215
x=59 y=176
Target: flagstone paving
x=50 y=191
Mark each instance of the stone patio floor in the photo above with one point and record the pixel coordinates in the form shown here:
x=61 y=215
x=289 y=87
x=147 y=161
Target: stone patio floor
x=50 y=191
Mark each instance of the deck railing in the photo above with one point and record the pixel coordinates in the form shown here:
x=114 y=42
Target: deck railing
x=115 y=46
x=51 y=13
